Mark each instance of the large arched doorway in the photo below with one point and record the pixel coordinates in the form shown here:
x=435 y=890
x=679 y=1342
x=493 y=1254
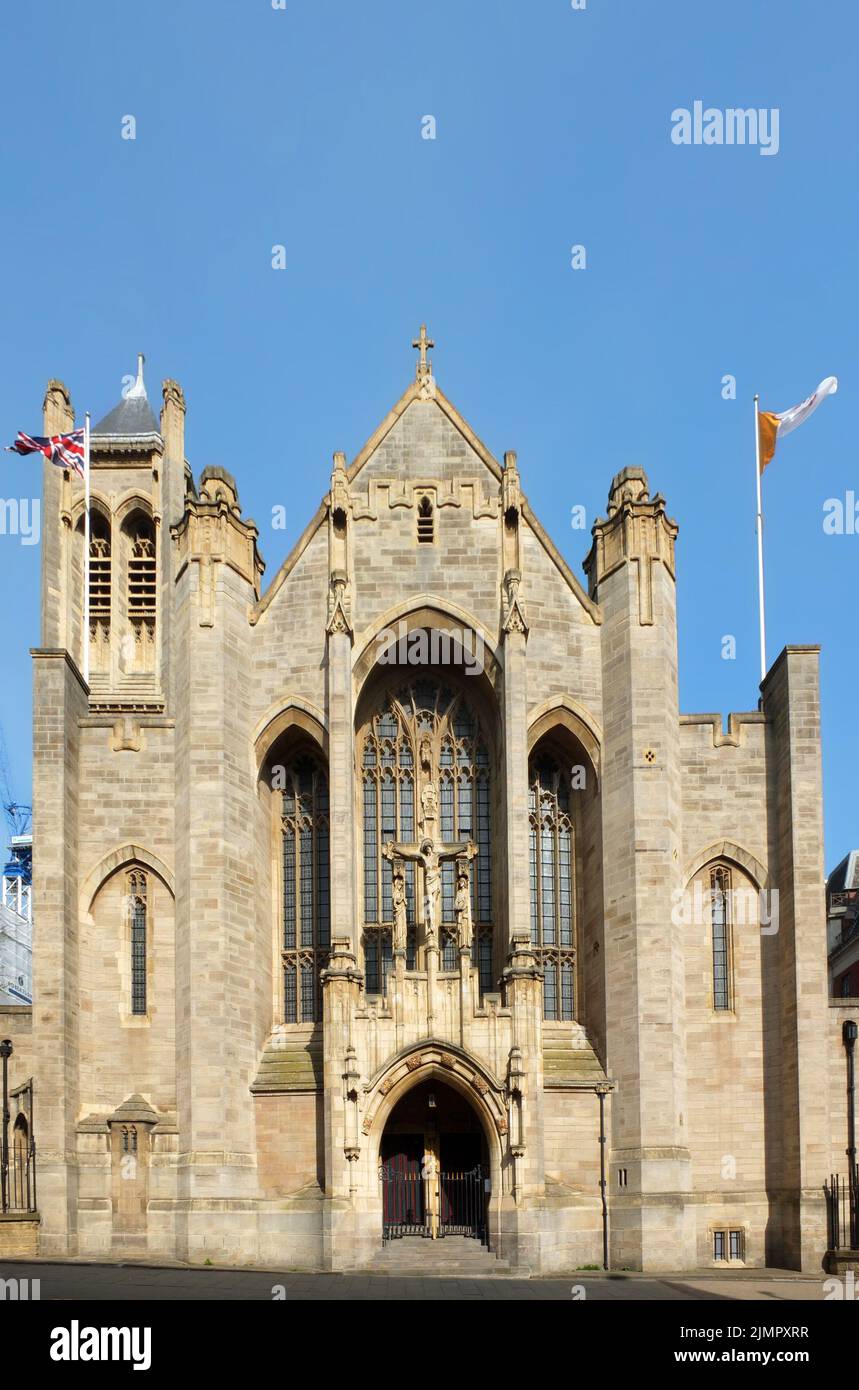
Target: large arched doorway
x=434 y=1166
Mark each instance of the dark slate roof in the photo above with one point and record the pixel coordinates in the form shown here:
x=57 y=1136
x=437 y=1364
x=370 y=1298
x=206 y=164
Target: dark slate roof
x=132 y=417
x=128 y=418
x=846 y=874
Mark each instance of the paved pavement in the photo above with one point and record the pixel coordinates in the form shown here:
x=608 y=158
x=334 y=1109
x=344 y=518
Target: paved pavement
x=135 y=1283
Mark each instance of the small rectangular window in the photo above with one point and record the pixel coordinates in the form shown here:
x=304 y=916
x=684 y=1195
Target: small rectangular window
x=718 y=1245
x=308 y=1011
x=426 y=522
x=736 y=1245
x=484 y=961
x=550 y=990
x=290 y=1003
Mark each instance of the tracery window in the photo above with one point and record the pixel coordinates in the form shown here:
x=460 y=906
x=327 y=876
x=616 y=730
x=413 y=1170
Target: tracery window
x=99 y=591
x=141 y=587
x=720 y=917
x=306 y=916
x=136 y=899
x=100 y=585
x=552 y=872
x=425 y=765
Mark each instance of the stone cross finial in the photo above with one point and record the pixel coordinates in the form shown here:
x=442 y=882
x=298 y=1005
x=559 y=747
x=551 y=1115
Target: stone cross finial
x=422 y=343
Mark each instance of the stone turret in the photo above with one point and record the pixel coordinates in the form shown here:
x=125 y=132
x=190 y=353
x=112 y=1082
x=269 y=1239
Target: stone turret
x=212 y=532
x=630 y=571
x=58 y=417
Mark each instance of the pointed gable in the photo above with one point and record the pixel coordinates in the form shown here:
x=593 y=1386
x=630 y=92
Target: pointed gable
x=424 y=438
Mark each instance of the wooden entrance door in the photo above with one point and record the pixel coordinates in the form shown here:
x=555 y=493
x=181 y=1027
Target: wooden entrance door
x=403 y=1201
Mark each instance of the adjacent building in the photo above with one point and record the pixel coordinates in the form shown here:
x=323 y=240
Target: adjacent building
x=842 y=916
x=16 y=923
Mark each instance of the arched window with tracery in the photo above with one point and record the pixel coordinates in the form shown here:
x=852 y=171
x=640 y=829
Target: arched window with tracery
x=552 y=871
x=425 y=769
x=99 y=592
x=306 y=915
x=100 y=587
x=141 y=587
x=136 y=896
x=720 y=921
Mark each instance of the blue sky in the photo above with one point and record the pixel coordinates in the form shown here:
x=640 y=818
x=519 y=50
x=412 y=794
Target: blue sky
x=302 y=127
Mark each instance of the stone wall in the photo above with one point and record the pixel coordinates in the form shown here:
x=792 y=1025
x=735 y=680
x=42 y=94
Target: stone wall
x=16 y=1023
x=712 y=1118
x=839 y=1012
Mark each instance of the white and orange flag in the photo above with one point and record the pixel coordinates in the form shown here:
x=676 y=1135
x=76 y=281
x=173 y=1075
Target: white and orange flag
x=771 y=427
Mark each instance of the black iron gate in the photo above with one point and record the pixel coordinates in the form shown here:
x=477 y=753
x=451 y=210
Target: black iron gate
x=403 y=1205
x=406 y=1194
x=462 y=1205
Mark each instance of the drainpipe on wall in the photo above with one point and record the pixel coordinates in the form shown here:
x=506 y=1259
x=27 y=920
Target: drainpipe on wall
x=848 y=1033
x=602 y=1092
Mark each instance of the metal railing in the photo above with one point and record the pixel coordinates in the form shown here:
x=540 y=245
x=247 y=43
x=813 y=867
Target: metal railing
x=19 y=1180
x=403 y=1204
x=18 y=1150
x=842 y=1212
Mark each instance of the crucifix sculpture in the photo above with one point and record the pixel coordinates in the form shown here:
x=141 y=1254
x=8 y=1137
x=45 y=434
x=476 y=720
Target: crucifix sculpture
x=431 y=856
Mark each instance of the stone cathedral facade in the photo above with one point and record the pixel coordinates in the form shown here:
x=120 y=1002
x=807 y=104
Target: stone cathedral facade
x=407 y=868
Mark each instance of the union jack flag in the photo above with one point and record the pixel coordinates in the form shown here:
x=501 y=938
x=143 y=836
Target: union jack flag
x=65 y=450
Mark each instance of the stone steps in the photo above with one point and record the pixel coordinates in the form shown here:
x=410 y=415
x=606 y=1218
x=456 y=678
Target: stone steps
x=452 y=1255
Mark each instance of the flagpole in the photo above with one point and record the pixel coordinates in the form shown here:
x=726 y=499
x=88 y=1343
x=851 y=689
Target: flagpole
x=760 y=530
x=86 y=550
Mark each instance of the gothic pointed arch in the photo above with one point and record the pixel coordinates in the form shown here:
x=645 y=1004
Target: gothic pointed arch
x=562 y=711
x=136 y=545
x=425 y=612
x=124 y=857
x=98 y=502
x=452 y=1065
x=727 y=850
x=290 y=714
x=565 y=835
x=102 y=585
x=133 y=500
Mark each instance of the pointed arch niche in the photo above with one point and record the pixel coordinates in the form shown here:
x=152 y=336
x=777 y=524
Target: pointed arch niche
x=139 y=580
x=565 y=868
x=102 y=589
x=294 y=859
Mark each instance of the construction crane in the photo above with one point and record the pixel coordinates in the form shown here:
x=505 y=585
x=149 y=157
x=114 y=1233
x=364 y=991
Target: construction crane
x=18 y=815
